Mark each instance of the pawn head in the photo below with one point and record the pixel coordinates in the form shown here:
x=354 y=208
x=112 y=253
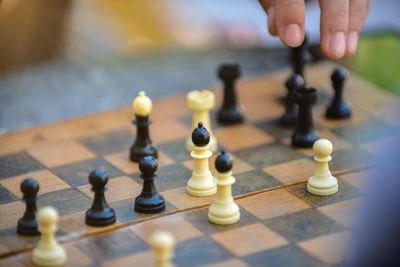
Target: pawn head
x=200 y=135
x=339 y=75
x=229 y=71
x=29 y=187
x=323 y=148
x=98 y=178
x=142 y=104
x=162 y=239
x=295 y=82
x=148 y=166
x=47 y=216
x=224 y=162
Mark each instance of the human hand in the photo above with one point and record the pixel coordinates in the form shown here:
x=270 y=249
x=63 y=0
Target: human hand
x=340 y=25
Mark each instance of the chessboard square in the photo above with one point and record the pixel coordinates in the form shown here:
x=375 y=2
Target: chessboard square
x=17 y=164
x=18 y=260
x=6 y=196
x=77 y=174
x=360 y=180
x=182 y=200
x=302 y=225
x=345 y=192
x=272 y=204
x=60 y=153
x=15 y=242
x=285 y=256
x=242 y=136
x=367 y=131
x=76 y=258
x=10 y=213
x=292 y=172
x=199 y=218
x=267 y=155
x=169 y=177
x=180 y=228
x=125 y=210
x=65 y=201
x=168 y=130
x=142 y=259
x=249 y=239
x=345 y=212
x=109 y=142
x=354 y=158
x=73 y=222
x=112 y=245
x=198 y=252
x=253 y=181
x=119 y=188
x=48 y=182
x=274 y=128
x=230 y=263
x=330 y=249
x=175 y=150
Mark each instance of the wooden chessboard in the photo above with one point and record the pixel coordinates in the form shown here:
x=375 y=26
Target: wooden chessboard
x=281 y=224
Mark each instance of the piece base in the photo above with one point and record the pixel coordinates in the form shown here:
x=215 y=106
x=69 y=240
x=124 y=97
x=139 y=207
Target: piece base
x=56 y=257
x=234 y=218
x=340 y=113
x=201 y=192
x=304 y=140
x=100 y=218
x=322 y=192
x=230 y=116
x=149 y=209
x=27 y=228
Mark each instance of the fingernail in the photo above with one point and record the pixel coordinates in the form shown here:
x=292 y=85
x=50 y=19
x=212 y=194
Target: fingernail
x=352 y=42
x=338 y=44
x=293 y=35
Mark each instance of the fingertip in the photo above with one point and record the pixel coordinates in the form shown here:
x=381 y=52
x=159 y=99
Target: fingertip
x=351 y=43
x=292 y=35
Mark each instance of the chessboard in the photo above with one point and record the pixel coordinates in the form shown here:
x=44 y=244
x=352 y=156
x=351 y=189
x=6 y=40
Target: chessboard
x=281 y=223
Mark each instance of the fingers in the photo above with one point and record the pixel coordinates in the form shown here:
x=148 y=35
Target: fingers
x=358 y=13
x=334 y=24
x=270 y=10
x=289 y=20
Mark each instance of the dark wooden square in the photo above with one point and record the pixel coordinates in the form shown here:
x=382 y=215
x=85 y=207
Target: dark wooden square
x=350 y=159
x=110 y=142
x=17 y=164
x=6 y=196
x=65 y=201
x=175 y=150
x=252 y=181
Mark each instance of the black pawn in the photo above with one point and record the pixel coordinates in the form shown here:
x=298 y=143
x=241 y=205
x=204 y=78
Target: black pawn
x=149 y=200
x=224 y=162
x=305 y=134
x=200 y=135
x=100 y=214
x=142 y=146
x=230 y=113
x=27 y=225
x=294 y=83
x=338 y=108
x=300 y=56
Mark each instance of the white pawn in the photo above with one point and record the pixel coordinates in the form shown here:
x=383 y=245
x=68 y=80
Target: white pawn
x=201 y=102
x=224 y=210
x=48 y=252
x=202 y=181
x=163 y=244
x=322 y=182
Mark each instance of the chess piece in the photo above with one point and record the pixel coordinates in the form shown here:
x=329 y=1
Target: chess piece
x=294 y=83
x=202 y=182
x=163 y=244
x=338 y=109
x=27 y=225
x=99 y=214
x=300 y=56
x=224 y=210
x=142 y=146
x=149 y=200
x=230 y=113
x=322 y=182
x=305 y=135
x=48 y=252
x=201 y=102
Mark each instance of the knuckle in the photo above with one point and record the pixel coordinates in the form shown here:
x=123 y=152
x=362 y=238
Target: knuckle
x=340 y=12
x=293 y=4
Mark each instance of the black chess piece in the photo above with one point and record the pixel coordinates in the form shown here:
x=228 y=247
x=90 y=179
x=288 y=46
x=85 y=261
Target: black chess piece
x=294 y=83
x=27 y=225
x=99 y=214
x=300 y=56
x=224 y=162
x=200 y=136
x=230 y=113
x=149 y=200
x=338 y=109
x=305 y=135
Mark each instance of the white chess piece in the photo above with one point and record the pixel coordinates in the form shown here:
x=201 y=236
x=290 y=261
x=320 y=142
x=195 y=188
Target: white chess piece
x=224 y=210
x=163 y=244
x=201 y=102
x=48 y=252
x=201 y=183
x=322 y=182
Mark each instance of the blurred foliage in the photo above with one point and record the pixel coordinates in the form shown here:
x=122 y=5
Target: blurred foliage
x=378 y=60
